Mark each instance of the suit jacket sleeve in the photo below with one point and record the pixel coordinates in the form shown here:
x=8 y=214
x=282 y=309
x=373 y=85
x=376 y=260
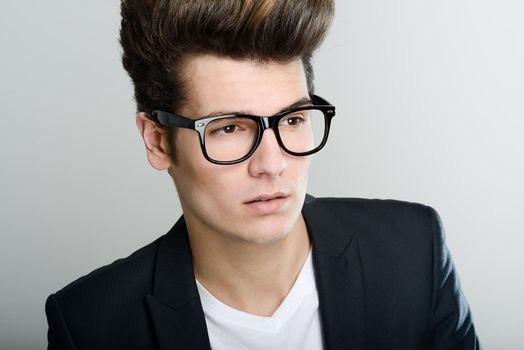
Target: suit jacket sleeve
x=58 y=335
x=451 y=320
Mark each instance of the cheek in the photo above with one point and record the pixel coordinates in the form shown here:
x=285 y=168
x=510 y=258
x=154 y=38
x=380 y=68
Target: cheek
x=190 y=172
x=199 y=179
x=298 y=169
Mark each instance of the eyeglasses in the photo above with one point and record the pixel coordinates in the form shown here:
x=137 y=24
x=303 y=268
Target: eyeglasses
x=232 y=138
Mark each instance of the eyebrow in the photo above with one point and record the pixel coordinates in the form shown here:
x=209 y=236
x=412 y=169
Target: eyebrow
x=304 y=101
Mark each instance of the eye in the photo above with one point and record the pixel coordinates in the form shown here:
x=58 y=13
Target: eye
x=292 y=120
x=229 y=129
x=226 y=129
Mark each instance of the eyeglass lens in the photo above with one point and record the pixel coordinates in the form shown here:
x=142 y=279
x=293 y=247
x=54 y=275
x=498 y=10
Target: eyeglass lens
x=231 y=138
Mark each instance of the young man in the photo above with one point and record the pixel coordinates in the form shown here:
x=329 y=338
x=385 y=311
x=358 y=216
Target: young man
x=225 y=103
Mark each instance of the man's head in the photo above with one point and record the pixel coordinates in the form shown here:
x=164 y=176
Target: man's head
x=159 y=37
x=204 y=57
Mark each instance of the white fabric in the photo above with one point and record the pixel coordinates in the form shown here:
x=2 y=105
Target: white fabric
x=294 y=325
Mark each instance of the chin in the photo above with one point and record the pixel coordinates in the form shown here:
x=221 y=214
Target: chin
x=264 y=238
x=268 y=231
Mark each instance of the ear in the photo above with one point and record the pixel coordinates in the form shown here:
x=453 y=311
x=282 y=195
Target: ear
x=155 y=142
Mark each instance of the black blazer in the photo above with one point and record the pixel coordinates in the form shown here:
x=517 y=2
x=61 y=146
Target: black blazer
x=384 y=276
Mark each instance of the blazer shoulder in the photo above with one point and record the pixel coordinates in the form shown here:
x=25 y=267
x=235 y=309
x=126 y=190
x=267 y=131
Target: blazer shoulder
x=105 y=306
x=367 y=203
x=382 y=219
x=137 y=268
x=374 y=208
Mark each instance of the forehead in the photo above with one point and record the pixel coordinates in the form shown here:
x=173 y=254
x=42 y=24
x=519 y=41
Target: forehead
x=224 y=85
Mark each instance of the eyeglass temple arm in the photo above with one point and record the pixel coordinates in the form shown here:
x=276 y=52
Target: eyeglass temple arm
x=172 y=120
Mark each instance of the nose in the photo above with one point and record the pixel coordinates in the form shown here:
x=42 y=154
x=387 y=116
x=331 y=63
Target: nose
x=269 y=159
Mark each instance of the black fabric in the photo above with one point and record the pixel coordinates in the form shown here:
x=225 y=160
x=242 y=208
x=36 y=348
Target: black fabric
x=384 y=276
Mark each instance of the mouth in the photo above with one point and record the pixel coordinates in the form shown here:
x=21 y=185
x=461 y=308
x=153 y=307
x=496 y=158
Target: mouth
x=267 y=197
x=268 y=204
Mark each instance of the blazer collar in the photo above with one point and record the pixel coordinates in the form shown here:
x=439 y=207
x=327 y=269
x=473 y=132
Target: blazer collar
x=339 y=277
x=177 y=314
x=175 y=308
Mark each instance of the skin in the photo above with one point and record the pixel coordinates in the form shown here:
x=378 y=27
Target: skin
x=247 y=255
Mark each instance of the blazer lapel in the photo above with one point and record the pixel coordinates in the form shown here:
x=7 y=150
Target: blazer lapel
x=175 y=308
x=176 y=311
x=339 y=278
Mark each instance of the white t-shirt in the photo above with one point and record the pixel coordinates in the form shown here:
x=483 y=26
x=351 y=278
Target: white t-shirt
x=294 y=325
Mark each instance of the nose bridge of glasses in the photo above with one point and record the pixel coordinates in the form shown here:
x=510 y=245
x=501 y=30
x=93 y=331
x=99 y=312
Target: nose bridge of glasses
x=265 y=122
x=270 y=123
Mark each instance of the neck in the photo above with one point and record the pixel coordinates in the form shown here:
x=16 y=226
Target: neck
x=248 y=276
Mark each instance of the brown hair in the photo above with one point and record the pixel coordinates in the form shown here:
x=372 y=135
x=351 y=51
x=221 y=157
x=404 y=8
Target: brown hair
x=158 y=35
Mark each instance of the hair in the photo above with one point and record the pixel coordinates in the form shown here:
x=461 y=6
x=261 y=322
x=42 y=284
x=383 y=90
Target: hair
x=159 y=36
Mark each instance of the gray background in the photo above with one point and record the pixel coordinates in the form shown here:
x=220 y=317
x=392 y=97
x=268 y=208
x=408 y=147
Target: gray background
x=429 y=98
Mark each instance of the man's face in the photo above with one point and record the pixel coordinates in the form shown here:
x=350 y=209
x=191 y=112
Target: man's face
x=225 y=199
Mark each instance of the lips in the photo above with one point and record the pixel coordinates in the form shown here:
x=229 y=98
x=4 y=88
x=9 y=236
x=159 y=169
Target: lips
x=267 y=197
x=268 y=204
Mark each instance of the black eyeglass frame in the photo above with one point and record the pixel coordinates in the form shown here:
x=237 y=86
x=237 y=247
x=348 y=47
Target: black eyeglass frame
x=170 y=120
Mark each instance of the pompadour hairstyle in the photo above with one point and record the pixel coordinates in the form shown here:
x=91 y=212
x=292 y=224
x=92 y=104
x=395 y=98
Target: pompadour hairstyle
x=157 y=36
